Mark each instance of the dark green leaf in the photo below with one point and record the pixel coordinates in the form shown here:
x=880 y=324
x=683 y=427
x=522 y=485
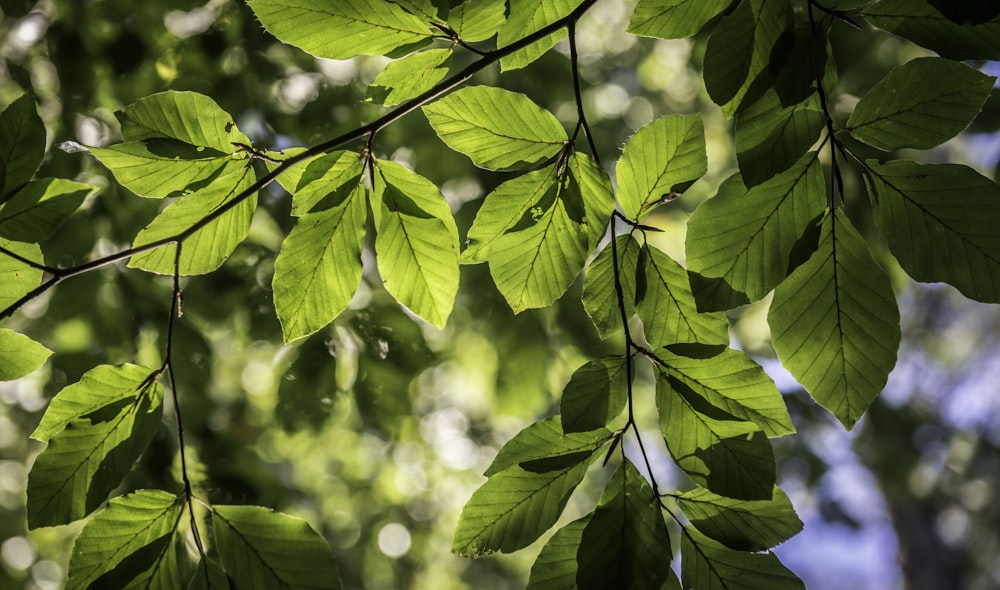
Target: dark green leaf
x=835 y=324
x=707 y=565
x=343 y=29
x=600 y=294
x=209 y=575
x=625 y=544
x=497 y=128
x=674 y=19
x=940 y=222
x=19 y=355
x=742 y=525
x=770 y=138
x=133 y=536
x=22 y=144
x=667 y=308
x=477 y=20
x=661 y=159
x=903 y=110
x=922 y=23
x=16 y=277
x=748 y=239
x=595 y=395
x=526 y=17
x=267 y=550
x=545 y=440
x=408 y=77
x=35 y=212
x=555 y=568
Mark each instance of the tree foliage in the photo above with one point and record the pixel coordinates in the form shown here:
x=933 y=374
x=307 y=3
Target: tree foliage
x=786 y=224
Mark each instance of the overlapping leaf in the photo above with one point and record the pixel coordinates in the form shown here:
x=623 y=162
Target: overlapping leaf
x=342 y=29
x=600 y=292
x=477 y=20
x=206 y=248
x=267 y=550
x=728 y=456
x=416 y=242
x=22 y=144
x=835 y=323
x=755 y=525
x=770 y=138
x=625 y=544
x=19 y=355
x=543 y=440
x=667 y=307
x=924 y=24
x=940 y=222
x=556 y=566
x=903 y=110
x=527 y=17
x=129 y=542
x=707 y=565
x=94 y=437
x=748 y=239
x=36 y=211
x=321 y=182
x=17 y=277
x=663 y=157
x=674 y=19
x=410 y=76
x=497 y=128
x=595 y=395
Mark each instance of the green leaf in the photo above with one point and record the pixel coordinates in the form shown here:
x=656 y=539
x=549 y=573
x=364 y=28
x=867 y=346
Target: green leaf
x=742 y=525
x=343 y=29
x=36 y=211
x=595 y=395
x=22 y=144
x=708 y=565
x=88 y=458
x=131 y=537
x=319 y=266
x=667 y=307
x=835 y=323
x=529 y=16
x=189 y=117
x=664 y=157
x=674 y=19
x=771 y=138
x=728 y=456
x=208 y=247
x=425 y=9
x=545 y=440
x=625 y=544
x=19 y=355
x=322 y=182
x=925 y=25
x=477 y=20
x=600 y=295
x=267 y=550
x=209 y=575
x=903 y=110
x=555 y=568
x=497 y=128
x=730 y=380
x=738 y=68
x=940 y=222
x=748 y=239
x=408 y=77
x=416 y=242
x=515 y=506
x=16 y=277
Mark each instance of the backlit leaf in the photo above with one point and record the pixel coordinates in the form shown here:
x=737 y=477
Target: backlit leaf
x=477 y=20
x=555 y=568
x=707 y=565
x=545 y=439
x=16 y=277
x=321 y=182
x=408 y=77
x=19 y=355
x=600 y=294
x=35 y=212
x=595 y=395
x=771 y=138
x=526 y=17
x=189 y=117
x=22 y=144
x=922 y=23
x=755 y=525
x=674 y=19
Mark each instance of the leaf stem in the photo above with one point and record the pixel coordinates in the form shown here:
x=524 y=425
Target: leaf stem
x=574 y=60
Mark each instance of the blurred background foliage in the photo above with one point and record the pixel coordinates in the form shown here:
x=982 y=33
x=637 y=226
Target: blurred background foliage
x=376 y=429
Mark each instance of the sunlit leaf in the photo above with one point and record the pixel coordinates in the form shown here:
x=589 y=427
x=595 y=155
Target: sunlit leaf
x=425 y=9
x=22 y=144
x=747 y=239
x=132 y=538
x=477 y=20
x=771 y=138
x=342 y=29
x=940 y=222
x=545 y=440
x=206 y=248
x=86 y=460
x=667 y=307
x=600 y=293
x=189 y=117
x=209 y=575
x=416 y=242
x=903 y=110
x=674 y=19
x=529 y=16
x=728 y=456
x=497 y=128
x=922 y=23
x=555 y=568
x=19 y=355
x=408 y=77
x=625 y=544
x=267 y=550
x=743 y=525
x=321 y=182
x=17 y=278
x=35 y=212
x=835 y=323
x=595 y=395
x=707 y=565
x=662 y=158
